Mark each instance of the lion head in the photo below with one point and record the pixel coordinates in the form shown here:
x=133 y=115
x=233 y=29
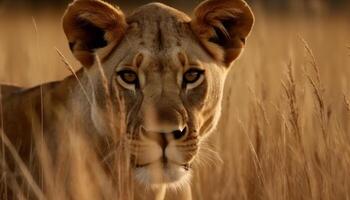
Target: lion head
x=168 y=68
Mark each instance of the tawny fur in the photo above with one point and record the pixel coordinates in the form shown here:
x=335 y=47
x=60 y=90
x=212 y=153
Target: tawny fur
x=160 y=43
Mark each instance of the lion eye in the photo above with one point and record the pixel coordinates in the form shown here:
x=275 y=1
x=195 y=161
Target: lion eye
x=128 y=76
x=192 y=75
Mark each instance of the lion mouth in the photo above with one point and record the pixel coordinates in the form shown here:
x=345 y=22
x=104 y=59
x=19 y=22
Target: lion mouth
x=142 y=166
x=186 y=166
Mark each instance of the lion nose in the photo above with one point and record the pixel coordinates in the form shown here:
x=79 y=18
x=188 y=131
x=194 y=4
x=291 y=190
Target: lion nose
x=167 y=133
x=178 y=134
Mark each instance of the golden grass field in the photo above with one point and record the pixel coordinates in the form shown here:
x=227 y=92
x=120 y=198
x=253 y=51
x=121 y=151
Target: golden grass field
x=285 y=126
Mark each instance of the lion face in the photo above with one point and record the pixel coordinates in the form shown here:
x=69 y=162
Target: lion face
x=168 y=68
x=172 y=100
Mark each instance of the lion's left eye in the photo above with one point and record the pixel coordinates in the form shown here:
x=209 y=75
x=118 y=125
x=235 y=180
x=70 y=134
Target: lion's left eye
x=192 y=75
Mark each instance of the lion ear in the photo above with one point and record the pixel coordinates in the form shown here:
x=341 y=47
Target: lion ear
x=92 y=25
x=223 y=26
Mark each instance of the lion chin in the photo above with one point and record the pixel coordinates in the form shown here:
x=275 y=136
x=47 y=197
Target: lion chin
x=160 y=174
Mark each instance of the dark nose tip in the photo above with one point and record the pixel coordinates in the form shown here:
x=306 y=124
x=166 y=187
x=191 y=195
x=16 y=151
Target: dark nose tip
x=178 y=134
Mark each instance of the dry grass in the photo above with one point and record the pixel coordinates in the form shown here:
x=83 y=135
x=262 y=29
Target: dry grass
x=285 y=128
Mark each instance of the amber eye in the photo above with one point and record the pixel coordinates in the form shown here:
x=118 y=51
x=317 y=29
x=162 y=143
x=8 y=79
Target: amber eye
x=128 y=76
x=192 y=75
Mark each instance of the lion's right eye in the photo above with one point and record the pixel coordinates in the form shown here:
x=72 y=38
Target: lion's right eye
x=192 y=75
x=193 y=78
x=128 y=76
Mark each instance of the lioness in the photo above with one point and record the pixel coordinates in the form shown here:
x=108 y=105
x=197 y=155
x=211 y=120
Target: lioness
x=168 y=68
